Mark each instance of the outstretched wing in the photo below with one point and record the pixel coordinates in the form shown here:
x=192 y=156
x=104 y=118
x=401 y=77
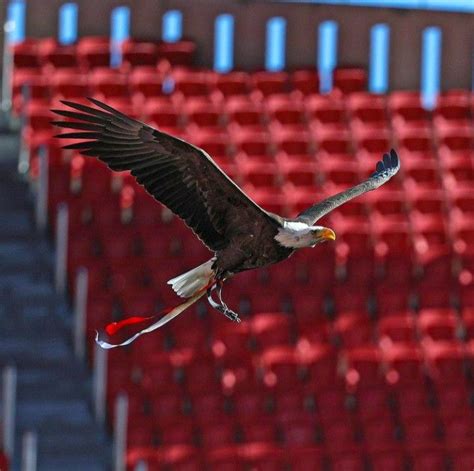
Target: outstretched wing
x=385 y=169
x=174 y=172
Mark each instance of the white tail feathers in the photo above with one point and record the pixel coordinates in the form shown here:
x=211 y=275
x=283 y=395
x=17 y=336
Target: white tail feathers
x=189 y=283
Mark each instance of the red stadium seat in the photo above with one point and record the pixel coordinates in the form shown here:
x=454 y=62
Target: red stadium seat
x=298 y=170
x=350 y=79
x=26 y=54
x=451 y=110
x=55 y=55
x=93 y=51
x=363 y=367
x=208 y=406
x=372 y=403
x=217 y=434
x=242 y=112
x=459 y=428
x=179 y=53
x=281 y=368
x=405 y=363
x=178 y=433
x=321 y=363
x=108 y=83
x=300 y=433
x=367 y=110
x=250 y=142
x=446 y=359
x=69 y=84
x=397 y=328
x=284 y=111
x=406 y=109
x=231 y=84
x=387 y=459
x=325 y=112
x=268 y=83
x=162 y=113
x=271 y=329
x=462 y=457
x=412 y=399
x=189 y=83
x=339 y=435
x=353 y=328
x=256 y=173
x=292 y=142
x=305 y=458
x=437 y=324
x=202 y=113
x=428 y=457
x=305 y=81
x=262 y=430
x=138 y=53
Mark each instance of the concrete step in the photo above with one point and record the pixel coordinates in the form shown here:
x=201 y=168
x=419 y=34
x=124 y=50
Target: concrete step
x=35 y=414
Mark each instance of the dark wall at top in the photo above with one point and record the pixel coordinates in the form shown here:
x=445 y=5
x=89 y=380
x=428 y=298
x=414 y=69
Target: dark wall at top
x=303 y=19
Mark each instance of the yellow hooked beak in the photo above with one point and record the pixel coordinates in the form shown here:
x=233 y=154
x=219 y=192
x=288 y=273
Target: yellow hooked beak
x=326 y=234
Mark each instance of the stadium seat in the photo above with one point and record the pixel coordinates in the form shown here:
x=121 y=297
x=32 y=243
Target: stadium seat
x=446 y=359
x=291 y=141
x=266 y=83
x=325 y=112
x=406 y=109
x=367 y=110
x=371 y=403
x=217 y=434
x=428 y=457
x=321 y=363
x=179 y=53
x=299 y=433
x=437 y=324
x=242 y=112
x=388 y=458
x=462 y=457
x=281 y=368
x=459 y=427
x=26 y=54
x=138 y=53
x=399 y=327
x=350 y=79
x=286 y=112
x=230 y=84
x=363 y=366
x=271 y=329
x=93 y=51
x=405 y=363
x=353 y=329
x=305 y=81
x=189 y=83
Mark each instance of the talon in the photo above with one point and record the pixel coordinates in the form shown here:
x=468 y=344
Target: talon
x=233 y=316
x=221 y=307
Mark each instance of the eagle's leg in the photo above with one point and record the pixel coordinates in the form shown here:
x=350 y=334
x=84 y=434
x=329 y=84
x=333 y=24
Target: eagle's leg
x=221 y=307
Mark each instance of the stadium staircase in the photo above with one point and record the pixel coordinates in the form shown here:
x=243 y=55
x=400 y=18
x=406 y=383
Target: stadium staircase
x=53 y=388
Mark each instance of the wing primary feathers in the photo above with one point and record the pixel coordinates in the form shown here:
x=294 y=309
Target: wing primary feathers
x=176 y=173
x=385 y=169
x=79 y=135
x=77 y=125
x=80 y=116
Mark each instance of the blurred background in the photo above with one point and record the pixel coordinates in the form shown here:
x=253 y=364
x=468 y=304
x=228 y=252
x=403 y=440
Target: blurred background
x=355 y=356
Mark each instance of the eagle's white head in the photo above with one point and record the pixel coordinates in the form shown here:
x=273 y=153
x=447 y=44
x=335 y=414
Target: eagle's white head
x=296 y=235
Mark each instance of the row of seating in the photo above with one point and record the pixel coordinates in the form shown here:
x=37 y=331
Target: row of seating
x=95 y=51
x=268 y=457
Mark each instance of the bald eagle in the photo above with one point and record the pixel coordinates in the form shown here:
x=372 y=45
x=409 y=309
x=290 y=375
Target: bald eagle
x=242 y=235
